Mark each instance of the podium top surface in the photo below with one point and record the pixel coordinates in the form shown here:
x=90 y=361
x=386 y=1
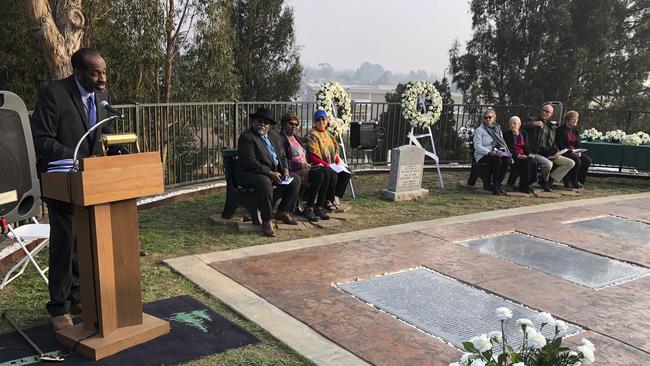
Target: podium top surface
x=107 y=179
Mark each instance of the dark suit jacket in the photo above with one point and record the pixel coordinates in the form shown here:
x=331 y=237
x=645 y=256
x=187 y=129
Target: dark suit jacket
x=59 y=120
x=254 y=156
x=561 y=139
x=541 y=139
x=510 y=141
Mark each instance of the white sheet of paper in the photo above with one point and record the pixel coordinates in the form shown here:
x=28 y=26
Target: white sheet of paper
x=287 y=180
x=62 y=162
x=339 y=168
x=579 y=150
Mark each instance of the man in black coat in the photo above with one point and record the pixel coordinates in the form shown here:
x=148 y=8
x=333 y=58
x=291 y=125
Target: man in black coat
x=65 y=110
x=262 y=164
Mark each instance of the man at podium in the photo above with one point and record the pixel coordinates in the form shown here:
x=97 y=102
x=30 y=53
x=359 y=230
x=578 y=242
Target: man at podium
x=65 y=110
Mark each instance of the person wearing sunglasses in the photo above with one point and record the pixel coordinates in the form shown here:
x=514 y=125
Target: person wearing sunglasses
x=491 y=148
x=263 y=165
x=323 y=150
x=315 y=179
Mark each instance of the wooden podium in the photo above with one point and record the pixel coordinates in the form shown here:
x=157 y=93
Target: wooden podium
x=104 y=193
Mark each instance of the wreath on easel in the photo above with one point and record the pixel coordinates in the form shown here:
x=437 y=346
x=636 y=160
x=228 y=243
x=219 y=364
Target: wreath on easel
x=426 y=94
x=330 y=93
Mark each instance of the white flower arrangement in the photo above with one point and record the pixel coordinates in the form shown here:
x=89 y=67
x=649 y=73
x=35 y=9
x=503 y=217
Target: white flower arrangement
x=615 y=136
x=645 y=138
x=465 y=134
x=432 y=98
x=634 y=140
x=330 y=93
x=591 y=134
x=535 y=349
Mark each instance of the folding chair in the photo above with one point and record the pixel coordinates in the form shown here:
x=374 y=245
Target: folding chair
x=23 y=235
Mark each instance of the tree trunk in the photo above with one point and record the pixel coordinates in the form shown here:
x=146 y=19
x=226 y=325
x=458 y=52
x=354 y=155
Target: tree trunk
x=59 y=33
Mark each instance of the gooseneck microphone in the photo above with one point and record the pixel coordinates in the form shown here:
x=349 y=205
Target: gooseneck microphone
x=75 y=162
x=104 y=104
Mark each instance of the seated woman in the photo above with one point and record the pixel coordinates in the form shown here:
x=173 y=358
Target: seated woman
x=312 y=177
x=524 y=161
x=323 y=150
x=567 y=136
x=491 y=148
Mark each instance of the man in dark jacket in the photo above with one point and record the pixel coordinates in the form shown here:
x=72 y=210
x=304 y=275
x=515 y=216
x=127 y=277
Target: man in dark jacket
x=541 y=138
x=262 y=164
x=65 y=110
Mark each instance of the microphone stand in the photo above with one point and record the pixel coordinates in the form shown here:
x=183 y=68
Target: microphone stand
x=75 y=162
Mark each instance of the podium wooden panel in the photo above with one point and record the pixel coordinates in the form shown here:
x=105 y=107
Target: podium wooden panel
x=104 y=193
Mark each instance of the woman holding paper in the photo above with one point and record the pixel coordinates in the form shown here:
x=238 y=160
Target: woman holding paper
x=315 y=179
x=567 y=136
x=322 y=149
x=524 y=160
x=491 y=148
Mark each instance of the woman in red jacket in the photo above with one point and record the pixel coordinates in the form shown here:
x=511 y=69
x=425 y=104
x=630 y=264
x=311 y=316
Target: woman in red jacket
x=322 y=149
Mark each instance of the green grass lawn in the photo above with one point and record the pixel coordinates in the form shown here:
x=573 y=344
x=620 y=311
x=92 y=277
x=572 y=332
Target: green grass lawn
x=183 y=228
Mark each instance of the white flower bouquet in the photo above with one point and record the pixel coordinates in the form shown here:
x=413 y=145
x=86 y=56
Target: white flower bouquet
x=645 y=138
x=411 y=111
x=615 y=136
x=330 y=93
x=492 y=349
x=634 y=140
x=465 y=134
x=591 y=134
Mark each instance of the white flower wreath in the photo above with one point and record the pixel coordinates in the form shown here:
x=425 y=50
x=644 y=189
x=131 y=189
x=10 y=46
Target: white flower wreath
x=328 y=94
x=433 y=100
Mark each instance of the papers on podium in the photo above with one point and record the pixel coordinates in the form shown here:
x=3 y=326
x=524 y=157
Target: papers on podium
x=63 y=165
x=339 y=168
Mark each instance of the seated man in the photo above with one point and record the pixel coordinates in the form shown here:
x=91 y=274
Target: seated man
x=263 y=164
x=541 y=137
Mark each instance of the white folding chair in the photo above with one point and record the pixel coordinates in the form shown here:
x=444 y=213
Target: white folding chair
x=23 y=235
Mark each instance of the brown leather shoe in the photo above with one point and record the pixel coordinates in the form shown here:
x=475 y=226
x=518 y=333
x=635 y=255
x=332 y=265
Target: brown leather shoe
x=267 y=228
x=286 y=218
x=61 y=322
x=76 y=309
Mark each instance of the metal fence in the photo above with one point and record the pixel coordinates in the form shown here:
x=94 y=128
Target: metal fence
x=190 y=136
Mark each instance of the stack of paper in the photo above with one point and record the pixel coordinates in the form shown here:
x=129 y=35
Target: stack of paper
x=63 y=165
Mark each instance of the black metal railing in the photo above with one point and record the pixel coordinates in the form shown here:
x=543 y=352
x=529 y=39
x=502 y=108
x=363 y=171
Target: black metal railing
x=190 y=136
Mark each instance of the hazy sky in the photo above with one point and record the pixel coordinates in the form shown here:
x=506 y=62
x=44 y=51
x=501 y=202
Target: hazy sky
x=401 y=35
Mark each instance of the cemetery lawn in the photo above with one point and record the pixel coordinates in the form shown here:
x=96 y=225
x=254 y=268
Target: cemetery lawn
x=183 y=228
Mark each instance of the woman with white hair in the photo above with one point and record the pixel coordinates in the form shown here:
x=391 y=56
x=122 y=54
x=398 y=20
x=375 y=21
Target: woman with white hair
x=524 y=160
x=491 y=148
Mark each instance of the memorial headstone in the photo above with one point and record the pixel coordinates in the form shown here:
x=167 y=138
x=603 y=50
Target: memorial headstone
x=405 y=180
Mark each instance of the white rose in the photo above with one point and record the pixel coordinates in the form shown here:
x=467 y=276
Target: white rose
x=523 y=322
x=503 y=313
x=464 y=358
x=588 y=353
x=477 y=362
x=454 y=364
x=585 y=342
x=536 y=340
x=546 y=318
x=496 y=336
x=481 y=343
x=561 y=325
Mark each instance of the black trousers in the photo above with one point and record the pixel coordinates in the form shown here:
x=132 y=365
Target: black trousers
x=264 y=192
x=498 y=167
x=579 y=171
x=63 y=275
x=338 y=183
x=527 y=172
x=317 y=185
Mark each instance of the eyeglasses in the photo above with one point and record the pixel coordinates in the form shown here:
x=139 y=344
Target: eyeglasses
x=294 y=124
x=321 y=119
x=488 y=117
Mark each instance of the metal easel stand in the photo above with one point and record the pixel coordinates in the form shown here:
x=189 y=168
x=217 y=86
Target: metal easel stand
x=345 y=160
x=413 y=140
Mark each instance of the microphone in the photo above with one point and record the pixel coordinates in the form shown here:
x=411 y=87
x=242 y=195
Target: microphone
x=104 y=104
